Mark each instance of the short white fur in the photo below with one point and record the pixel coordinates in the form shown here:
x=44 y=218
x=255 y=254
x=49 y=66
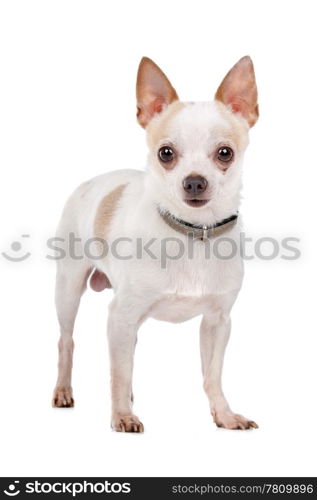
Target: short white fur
x=143 y=288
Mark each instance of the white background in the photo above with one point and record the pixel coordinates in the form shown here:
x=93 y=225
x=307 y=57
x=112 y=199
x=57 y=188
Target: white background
x=67 y=113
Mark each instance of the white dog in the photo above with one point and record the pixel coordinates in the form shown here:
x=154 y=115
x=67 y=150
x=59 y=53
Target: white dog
x=187 y=199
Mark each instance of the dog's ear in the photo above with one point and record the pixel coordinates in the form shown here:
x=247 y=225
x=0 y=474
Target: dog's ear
x=153 y=91
x=238 y=90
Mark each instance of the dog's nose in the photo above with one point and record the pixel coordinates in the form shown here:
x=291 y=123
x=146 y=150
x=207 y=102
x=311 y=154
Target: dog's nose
x=195 y=185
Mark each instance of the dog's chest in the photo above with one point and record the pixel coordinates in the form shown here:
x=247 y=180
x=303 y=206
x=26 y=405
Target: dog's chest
x=201 y=275
x=179 y=308
x=191 y=286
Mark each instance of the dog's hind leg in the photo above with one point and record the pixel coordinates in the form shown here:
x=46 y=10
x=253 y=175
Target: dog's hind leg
x=70 y=284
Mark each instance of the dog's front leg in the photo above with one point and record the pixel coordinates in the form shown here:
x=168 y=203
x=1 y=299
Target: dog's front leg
x=214 y=336
x=124 y=320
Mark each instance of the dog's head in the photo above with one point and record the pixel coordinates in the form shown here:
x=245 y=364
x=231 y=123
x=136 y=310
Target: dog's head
x=196 y=149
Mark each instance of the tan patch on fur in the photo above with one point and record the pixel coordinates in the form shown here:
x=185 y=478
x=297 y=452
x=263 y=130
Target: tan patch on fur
x=239 y=129
x=106 y=210
x=158 y=127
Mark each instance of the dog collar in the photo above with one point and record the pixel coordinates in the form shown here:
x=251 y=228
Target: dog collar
x=202 y=232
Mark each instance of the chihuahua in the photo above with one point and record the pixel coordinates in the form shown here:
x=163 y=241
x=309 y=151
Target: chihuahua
x=188 y=197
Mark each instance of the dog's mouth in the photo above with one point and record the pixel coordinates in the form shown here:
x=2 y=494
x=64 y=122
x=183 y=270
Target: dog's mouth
x=196 y=203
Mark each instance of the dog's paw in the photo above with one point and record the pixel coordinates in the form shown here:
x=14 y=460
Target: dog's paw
x=63 y=397
x=233 y=421
x=126 y=423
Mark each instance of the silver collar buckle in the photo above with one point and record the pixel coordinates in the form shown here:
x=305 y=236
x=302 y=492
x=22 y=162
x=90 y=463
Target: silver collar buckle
x=205 y=233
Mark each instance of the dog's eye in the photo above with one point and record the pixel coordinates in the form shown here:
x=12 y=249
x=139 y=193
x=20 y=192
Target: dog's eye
x=166 y=154
x=225 y=154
